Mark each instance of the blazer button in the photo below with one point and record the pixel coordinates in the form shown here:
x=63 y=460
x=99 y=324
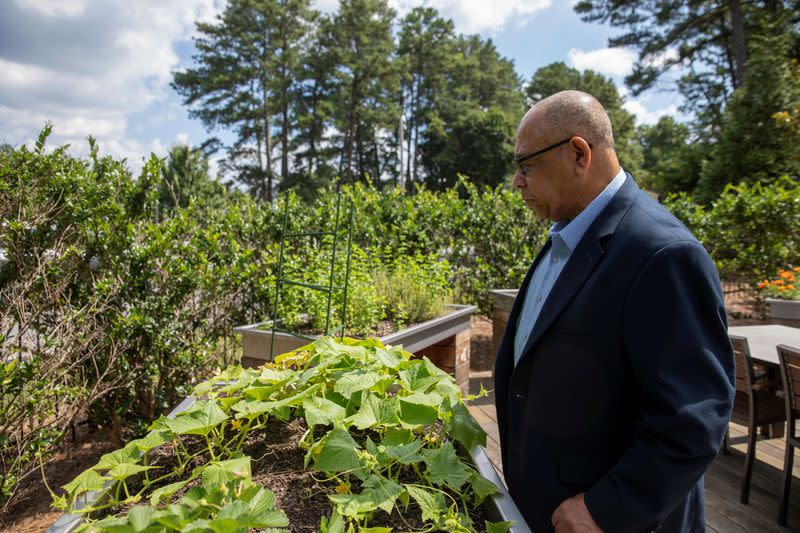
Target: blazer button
x=519 y=396
x=654 y=527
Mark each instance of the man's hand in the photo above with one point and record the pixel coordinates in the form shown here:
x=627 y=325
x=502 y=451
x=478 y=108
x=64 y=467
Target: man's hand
x=572 y=516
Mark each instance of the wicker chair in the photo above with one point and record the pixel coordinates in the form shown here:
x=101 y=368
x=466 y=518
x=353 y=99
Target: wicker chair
x=790 y=372
x=754 y=405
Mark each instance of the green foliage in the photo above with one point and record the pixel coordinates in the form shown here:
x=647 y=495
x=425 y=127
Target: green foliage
x=330 y=91
x=708 y=40
x=186 y=178
x=749 y=230
x=416 y=288
x=672 y=163
x=378 y=444
x=752 y=145
x=472 y=131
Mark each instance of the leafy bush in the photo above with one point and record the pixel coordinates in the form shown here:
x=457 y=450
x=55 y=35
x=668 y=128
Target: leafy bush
x=750 y=230
x=416 y=288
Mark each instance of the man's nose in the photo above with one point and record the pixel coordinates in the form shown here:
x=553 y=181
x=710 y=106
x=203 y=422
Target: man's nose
x=518 y=181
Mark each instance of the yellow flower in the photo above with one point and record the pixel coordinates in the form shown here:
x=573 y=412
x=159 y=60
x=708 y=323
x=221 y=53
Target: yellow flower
x=236 y=424
x=343 y=488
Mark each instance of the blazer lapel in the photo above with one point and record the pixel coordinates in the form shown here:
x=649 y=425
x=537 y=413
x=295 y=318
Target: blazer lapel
x=505 y=353
x=582 y=261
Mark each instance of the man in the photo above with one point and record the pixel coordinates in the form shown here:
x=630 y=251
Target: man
x=615 y=377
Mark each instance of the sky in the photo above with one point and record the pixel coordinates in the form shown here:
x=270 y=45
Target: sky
x=103 y=67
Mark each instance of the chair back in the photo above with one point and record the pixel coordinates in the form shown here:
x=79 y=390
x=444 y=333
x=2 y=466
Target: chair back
x=745 y=375
x=790 y=372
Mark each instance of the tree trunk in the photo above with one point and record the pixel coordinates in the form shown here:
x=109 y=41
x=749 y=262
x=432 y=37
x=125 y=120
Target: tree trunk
x=285 y=111
x=267 y=139
x=739 y=45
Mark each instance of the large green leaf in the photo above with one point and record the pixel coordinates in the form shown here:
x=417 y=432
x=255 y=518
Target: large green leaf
x=130 y=454
x=355 y=381
x=253 y=408
x=378 y=493
x=320 y=411
x=431 y=503
x=220 y=472
x=166 y=491
x=88 y=480
x=405 y=453
x=417 y=377
x=200 y=419
x=464 y=428
x=482 y=487
x=353 y=505
x=334 y=524
x=338 y=453
x=444 y=468
x=375 y=411
x=499 y=527
x=126 y=470
x=271 y=375
x=151 y=440
x=391 y=358
x=141 y=517
x=382 y=491
x=417 y=414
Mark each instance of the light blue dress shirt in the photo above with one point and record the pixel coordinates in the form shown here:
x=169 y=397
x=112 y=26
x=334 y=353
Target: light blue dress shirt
x=565 y=236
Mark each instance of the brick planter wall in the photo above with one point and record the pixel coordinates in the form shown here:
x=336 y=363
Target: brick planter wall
x=452 y=356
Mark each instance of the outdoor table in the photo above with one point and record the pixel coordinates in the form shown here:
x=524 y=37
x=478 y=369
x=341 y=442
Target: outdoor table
x=762 y=341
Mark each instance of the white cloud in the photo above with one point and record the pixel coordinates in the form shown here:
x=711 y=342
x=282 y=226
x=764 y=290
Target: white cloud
x=88 y=65
x=54 y=8
x=645 y=116
x=610 y=61
x=469 y=16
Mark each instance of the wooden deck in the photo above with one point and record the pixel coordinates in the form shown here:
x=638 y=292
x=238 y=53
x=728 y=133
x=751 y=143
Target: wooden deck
x=724 y=513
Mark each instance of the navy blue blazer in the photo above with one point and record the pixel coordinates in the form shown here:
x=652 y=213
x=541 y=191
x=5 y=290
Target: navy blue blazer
x=625 y=387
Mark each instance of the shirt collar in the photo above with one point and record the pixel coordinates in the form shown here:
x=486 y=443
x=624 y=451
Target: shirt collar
x=571 y=231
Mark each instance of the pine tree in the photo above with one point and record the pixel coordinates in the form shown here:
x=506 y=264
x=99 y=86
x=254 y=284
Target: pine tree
x=244 y=81
x=365 y=84
x=426 y=46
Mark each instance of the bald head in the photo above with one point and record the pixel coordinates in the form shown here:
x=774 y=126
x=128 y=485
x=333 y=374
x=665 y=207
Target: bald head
x=565 y=154
x=571 y=113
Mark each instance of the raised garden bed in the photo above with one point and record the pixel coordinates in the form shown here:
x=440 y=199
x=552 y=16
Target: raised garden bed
x=445 y=340
x=786 y=312
x=335 y=437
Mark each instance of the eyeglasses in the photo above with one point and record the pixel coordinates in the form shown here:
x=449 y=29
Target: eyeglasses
x=523 y=169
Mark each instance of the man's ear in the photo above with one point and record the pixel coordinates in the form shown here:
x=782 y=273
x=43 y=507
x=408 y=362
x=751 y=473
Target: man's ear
x=582 y=154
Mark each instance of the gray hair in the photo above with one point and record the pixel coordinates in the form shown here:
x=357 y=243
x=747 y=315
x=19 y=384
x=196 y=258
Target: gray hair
x=575 y=113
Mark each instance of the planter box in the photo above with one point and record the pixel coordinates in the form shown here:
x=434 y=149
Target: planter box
x=497 y=507
x=786 y=312
x=444 y=340
x=502 y=299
